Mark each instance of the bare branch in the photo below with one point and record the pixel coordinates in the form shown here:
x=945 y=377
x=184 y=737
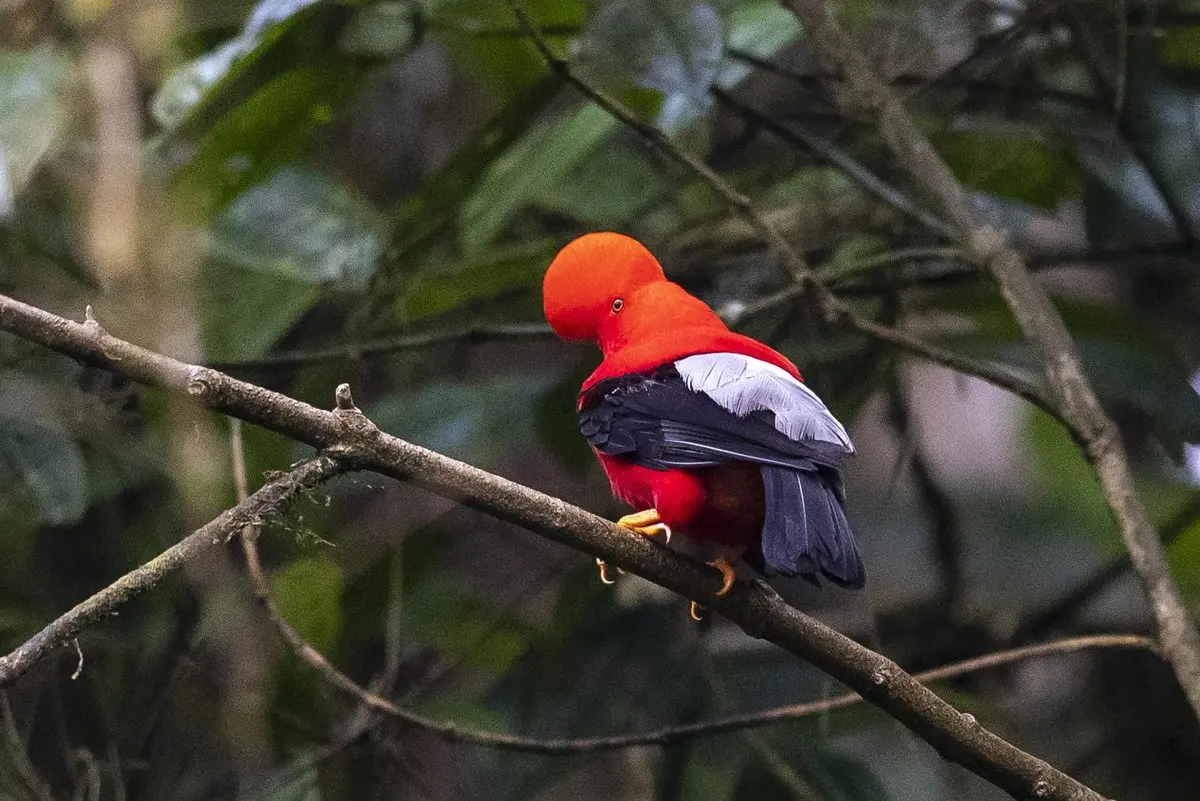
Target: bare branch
x=933 y=500
x=1074 y=397
x=945 y=81
x=25 y=770
x=1062 y=610
x=258 y=507
x=346 y=434
x=426 y=339
x=1112 y=92
x=796 y=135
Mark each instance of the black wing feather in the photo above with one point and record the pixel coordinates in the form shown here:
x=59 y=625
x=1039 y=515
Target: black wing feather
x=655 y=420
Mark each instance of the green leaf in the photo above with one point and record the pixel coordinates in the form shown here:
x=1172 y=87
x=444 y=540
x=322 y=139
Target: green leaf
x=508 y=65
x=1179 y=46
x=1018 y=166
x=609 y=189
x=1129 y=362
x=48 y=467
x=302 y=225
x=188 y=86
x=382 y=30
x=309 y=594
x=421 y=217
x=438 y=290
x=463 y=712
x=1064 y=478
x=273 y=127
x=1184 y=555
x=245 y=312
x=557 y=428
x=850 y=253
x=713 y=769
x=759 y=29
x=31 y=113
x=536 y=164
x=1152 y=380
x=672 y=46
x=468 y=421
x=842 y=778
x=298 y=781
x=451 y=616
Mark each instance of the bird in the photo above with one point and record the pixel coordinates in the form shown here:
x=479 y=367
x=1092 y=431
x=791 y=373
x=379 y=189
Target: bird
x=703 y=430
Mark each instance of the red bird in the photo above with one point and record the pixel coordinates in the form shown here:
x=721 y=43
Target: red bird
x=710 y=432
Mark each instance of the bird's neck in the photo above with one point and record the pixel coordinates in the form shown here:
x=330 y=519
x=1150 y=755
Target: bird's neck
x=658 y=311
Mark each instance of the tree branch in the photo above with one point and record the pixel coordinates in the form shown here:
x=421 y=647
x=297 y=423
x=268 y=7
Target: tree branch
x=932 y=499
x=1074 y=397
x=1111 y=93
x=800 y=137
x=347 y=435
x=1062 y=610
x=259 y=506
x=945 y=81
x=501 y=332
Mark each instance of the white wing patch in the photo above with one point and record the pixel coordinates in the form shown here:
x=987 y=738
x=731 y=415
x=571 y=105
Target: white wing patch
x=743 y=384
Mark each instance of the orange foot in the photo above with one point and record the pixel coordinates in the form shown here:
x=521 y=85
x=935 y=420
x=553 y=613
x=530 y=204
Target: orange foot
x=646 y=523
x=727 y=578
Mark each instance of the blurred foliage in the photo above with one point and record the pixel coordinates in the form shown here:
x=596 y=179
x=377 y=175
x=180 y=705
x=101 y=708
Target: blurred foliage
x=311 y=175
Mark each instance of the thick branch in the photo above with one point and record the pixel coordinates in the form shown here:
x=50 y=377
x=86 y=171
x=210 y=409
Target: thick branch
x=258 y=507
x=1074 y=396
x=348 y=435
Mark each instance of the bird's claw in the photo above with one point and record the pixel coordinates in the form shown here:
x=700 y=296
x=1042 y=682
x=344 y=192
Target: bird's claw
x=728 y=575
x=603 y=567
x=654 y=531
x=647 y=523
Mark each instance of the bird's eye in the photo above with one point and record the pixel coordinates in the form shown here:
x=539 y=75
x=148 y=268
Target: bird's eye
x=618 y=304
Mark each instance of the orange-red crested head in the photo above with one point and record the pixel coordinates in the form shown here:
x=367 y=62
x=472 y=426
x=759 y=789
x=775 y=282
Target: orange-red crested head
x=590 y=276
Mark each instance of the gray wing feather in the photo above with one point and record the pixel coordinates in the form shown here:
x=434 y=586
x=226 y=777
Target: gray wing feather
x=743 y=384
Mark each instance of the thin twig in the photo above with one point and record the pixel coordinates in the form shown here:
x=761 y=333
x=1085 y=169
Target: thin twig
x=798 y=136
x=943 y=519
x=499 y=332
x=1065 y=607
x=348 y=435
x=260 y=506
x=33 y=781
x=948 y=81
x=1112 y=93
x=1074 y=396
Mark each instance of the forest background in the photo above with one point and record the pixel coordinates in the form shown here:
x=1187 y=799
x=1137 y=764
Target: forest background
x=301 y=194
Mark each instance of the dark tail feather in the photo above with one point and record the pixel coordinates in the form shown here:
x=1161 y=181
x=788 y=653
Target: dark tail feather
x=805 y=532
